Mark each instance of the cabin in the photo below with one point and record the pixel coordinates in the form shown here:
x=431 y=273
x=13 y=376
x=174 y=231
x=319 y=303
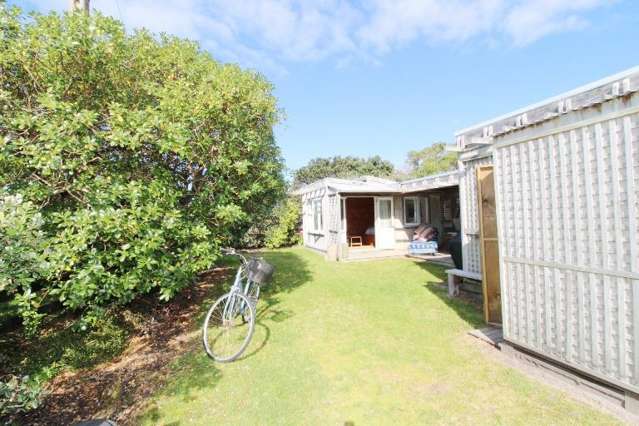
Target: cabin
x=372 y=217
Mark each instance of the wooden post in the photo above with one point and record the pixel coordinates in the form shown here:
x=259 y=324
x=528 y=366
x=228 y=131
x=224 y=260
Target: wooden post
x=489 y=244
x=82 y=5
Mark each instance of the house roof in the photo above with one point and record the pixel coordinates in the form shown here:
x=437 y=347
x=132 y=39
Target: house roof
x=595 y=93
x=362 y=184
x=439 y=180
x=371 y=184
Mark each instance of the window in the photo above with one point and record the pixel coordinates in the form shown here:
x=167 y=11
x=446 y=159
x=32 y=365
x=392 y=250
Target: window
x=411 y=211
x=385 y=211
x=317 y=215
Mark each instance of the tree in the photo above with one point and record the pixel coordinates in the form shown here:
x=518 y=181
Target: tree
x=430 y=160
x=140 y=155
x=342 y=167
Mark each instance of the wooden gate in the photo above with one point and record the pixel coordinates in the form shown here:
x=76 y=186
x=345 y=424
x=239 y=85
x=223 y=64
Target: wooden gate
x=489 y=244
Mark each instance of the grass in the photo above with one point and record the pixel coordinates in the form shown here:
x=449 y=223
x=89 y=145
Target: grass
x=359 y=343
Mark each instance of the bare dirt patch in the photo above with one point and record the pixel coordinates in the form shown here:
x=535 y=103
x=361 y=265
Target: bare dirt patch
x=119 y=389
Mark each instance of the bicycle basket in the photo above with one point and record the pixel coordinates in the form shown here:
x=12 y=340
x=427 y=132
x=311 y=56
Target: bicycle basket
x=259 y=271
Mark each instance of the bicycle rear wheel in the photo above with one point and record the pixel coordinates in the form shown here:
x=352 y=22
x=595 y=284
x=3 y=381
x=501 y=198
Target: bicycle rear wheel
x=228 y=327
x=252 y=292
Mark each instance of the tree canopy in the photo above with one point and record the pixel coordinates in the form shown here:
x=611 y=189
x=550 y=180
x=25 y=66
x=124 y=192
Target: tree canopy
x=126 y=160
x=430 y=160
x=342 y=167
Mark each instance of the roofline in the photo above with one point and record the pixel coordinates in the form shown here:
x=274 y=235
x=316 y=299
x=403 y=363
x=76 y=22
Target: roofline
x=573 y=92
x=368 y=191
x=328 y=182
x=436 y=175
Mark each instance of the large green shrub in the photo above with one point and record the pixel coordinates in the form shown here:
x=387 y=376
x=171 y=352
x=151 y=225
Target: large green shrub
x=285 y=231
x=22 y=254
x=18 y=394
x=137 y=156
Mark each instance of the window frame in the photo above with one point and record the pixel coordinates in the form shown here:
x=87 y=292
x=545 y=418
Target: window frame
x=417 y=207
x=314 y=203
x=388 y=221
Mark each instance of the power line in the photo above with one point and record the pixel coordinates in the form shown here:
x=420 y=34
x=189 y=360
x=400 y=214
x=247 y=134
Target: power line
x=80 y=5
x=117 y=4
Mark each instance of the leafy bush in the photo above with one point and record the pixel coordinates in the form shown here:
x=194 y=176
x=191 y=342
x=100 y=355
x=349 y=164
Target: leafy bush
x=18 y=394
x=100 y=336
x=22 y=244
x=67 y=342
x=255 y=236
x=285 y=231
x=127 y=160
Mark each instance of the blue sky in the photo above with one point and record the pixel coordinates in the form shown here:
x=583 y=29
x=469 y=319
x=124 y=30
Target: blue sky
x=382 y=77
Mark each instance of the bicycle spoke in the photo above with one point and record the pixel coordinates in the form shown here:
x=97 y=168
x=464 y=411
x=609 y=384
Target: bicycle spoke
x=229 y=324
x=226 y=333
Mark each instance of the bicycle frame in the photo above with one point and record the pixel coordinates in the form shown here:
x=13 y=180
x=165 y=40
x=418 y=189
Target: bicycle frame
x=234 y=314
x=230 y=310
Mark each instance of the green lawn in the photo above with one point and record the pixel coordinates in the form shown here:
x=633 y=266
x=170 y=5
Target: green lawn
x=359 y=343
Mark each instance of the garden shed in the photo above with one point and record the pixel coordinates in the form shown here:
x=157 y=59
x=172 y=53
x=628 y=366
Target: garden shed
x=566 y=192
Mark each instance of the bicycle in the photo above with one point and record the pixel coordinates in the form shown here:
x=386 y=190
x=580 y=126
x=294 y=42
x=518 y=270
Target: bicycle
x=230 y=322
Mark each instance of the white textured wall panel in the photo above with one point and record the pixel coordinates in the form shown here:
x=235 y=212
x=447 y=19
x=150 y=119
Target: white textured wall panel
x=471 y=251
x=317 y=240
x=332 y=216
x=568 y=205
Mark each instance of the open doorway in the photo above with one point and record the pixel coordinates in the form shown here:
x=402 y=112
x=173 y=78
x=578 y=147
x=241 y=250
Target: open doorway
x=360 y=221
x=443 y=213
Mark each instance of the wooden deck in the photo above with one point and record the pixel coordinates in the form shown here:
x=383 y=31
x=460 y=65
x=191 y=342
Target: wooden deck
x=371 y=253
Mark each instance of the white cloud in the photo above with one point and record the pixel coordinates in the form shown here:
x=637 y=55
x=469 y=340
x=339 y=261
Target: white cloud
x=394 y=23
x=292 y=30
x=529 y=21
x=517 y=22
x=266 y=33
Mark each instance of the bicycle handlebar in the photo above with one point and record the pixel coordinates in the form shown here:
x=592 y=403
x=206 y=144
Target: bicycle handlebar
x=232 y=252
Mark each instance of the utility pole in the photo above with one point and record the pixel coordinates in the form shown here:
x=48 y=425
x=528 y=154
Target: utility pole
x=82 y=5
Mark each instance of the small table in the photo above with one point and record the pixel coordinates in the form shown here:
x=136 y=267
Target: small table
x=356 y=241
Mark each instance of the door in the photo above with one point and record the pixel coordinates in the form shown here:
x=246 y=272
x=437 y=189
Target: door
x=384 y=231
x=489 y=244
x=343 y=221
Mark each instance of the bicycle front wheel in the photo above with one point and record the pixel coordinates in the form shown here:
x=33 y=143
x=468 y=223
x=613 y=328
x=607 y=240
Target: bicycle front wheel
x=228 y=327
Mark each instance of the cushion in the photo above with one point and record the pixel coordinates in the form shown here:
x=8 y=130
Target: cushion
x=423 y=247
x=420 y=228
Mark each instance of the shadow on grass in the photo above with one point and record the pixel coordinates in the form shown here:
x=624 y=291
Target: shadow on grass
x=139 y=341
x=290 y=272
x=465 y=309
x=195 y=371
x=190 y=373
x=60 y=346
